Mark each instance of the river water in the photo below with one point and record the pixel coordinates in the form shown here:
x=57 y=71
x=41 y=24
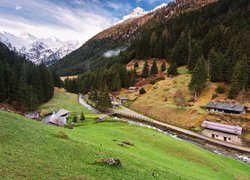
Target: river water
x=219 y=151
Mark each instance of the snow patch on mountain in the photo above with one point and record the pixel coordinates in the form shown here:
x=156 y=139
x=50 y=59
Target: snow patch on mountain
x=139 y=12
x=38 y=50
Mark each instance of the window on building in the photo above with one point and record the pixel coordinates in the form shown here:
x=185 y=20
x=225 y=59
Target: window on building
x=225 y=138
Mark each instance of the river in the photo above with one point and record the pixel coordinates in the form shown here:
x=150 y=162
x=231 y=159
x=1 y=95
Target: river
x=220 y=151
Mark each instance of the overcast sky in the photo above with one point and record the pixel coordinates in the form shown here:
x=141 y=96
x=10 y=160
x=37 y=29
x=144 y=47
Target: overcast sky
x=66 y=19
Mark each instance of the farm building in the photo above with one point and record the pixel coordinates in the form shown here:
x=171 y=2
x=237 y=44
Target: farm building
x=223 y=132
x=226 y=108
x=132 y=89
x=123 y=99
x=58 y=118
x=32 y=115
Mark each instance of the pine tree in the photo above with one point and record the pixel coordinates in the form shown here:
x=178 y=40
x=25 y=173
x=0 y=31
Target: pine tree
x=154 y=69
x=103 y=100
x=199 y=77
x=136 y=65
x=172 y=71
x=194 y=56
x=132 y=80
x=116 y=82
x=145 y=71
x=2 y=85
x=239 y=78
x=124 y=77
x=163 y=66
x=216 y=61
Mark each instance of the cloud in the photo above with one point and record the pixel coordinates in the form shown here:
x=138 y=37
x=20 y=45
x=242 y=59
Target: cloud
x=113 y=53
x=75 y=19
x=18 y=8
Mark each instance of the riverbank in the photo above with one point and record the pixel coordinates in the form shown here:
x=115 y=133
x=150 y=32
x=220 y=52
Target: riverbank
x=238 y=152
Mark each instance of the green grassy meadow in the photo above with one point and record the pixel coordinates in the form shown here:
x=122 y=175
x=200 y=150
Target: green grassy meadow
x=32 y=150
x=65 y=100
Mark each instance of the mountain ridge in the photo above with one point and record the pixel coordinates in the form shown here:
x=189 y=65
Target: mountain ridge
x=38 y=50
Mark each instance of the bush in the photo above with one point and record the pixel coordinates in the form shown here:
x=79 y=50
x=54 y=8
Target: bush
x=82 y=118
x=62 y=135
x=220 y=89
x=214 y=96
x=142 y=91
x=152 y=82
x=75 y=118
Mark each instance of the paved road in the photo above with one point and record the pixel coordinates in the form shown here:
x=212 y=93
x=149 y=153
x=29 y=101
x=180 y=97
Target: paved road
x=129 y=112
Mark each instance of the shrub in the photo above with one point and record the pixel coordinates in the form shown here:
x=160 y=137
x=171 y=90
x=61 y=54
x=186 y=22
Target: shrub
x=214 y=96
x=220 y=89
x=82 y=118
x=152 y=82
x=62 y=135
x=142 y=91
x=75 y=119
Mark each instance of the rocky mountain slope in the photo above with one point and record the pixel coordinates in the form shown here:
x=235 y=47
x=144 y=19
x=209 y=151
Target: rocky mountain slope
x=38 y=50
x=91 y=54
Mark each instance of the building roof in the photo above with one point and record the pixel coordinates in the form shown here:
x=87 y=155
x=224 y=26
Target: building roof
x=225 y=106
x=60 y=121
x=222 y=127
x=61 y=112
x=123 y=98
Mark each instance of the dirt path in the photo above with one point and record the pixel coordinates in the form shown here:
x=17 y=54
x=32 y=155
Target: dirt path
x=130 y=113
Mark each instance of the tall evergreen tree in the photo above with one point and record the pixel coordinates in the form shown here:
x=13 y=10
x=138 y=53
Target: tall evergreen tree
x=240 y=78
x=199 y=77
x=2 y=85
x=163 y=66
x=216 y=66
x=136 y=65
x=154 y=68
x=145 y=71
x=172 y=70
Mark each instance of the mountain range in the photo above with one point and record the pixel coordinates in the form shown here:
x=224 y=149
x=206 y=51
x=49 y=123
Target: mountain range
x=38 y=50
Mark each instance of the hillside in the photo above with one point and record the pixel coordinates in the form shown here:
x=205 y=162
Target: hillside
x=121 y=36
x=23 y=84
x=160 y=102
x=33 y=150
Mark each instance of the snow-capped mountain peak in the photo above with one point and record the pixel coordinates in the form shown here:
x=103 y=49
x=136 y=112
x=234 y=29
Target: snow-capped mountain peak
x=160 y=6
x=137 y=12
x=38 y=50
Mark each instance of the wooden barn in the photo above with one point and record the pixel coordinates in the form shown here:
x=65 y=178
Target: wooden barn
x=58 y=118
x=223 y=132
x=226 y=108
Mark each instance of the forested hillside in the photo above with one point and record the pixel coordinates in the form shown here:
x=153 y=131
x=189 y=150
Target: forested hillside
x=22 y=83
x=214 y=43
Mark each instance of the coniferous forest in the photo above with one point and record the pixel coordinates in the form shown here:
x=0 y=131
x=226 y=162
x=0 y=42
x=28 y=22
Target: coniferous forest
x=22 y=83
x=213 y=42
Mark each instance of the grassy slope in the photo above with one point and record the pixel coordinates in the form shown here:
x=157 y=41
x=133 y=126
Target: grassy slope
x=31 y=149
x=64 y=100
x=158 y=102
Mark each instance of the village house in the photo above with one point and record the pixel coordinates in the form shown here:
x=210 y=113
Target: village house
x=32 y=115
x=222 y=132
x=58 y=118
x=132 y=89
x=226 y=108
x=123 y=99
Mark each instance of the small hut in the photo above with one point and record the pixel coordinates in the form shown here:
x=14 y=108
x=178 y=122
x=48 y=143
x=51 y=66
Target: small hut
x=226 y=108
x=223 y=132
